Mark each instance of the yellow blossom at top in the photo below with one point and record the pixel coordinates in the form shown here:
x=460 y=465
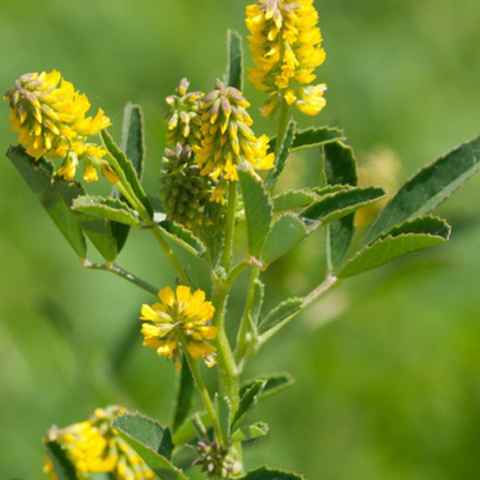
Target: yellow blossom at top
x=93 y=446
x=286 y=48
x=228 y=141
x=182 y=320
x=50 y=117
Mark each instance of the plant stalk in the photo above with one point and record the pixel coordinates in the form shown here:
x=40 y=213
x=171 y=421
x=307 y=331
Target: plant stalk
x=111 y=267
x=230 y=226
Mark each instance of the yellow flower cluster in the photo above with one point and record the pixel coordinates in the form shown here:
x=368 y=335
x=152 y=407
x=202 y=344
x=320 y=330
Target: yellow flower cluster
x=50 y=117
x=94 y=446
x=228 y=141
x=182 y=320
x=184 y=119
x=286 y=48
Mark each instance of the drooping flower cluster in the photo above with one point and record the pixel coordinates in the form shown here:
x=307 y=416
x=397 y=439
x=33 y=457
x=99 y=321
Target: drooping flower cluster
x=228 y=141
x=50 y=117
x=181 y=321
x=286 y=48
x=184 y=119
x=93 y=446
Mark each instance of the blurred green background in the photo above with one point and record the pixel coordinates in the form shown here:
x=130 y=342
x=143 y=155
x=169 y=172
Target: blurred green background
x=390 y=387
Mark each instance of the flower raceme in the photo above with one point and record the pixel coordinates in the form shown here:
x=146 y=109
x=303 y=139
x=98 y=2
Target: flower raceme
x=184 y=119
x=94 y=447
x=181 y=321
x=228 y=141
x=50 y=117
x=286 y=48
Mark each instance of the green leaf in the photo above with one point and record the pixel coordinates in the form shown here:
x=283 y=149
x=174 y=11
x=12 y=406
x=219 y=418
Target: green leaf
x=248 y=401
x=406 y=238
x=235 y=60
x=125 y=168
x=265 y=473
x=283 y=154
x=55 y=194
x=147 y=431
x=293 y=200
x=62 y=465
x=313 y=137
x=152 y=442
x=183 y=237
x=340 y=169
x=275 y=383
x=185 y=392
x=429 y=187
x=133 y=144
x=224 y=409
x=107 y=208
x=341 y=203
x=287 y=232
x=258 y=211
x=250 y=432
x=100 y=233
x=280 y=316
x=133 y=137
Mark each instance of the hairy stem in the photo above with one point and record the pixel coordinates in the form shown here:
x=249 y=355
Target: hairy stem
x=146 y=217
x=111 y=267
x=230 y=226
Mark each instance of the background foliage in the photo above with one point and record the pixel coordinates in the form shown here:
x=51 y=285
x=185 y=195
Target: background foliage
x=391 y=388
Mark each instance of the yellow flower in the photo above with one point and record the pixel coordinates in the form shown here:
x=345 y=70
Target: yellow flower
x=180 y=321
x=286 y=48
x=183 y=120
x=93 y=446
x=228 y=141
x=50 y=119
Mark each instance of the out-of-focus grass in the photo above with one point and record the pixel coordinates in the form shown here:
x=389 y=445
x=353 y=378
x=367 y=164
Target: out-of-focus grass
x=389 y=389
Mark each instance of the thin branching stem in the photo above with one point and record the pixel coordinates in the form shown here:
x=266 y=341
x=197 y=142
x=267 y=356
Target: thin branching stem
x=115 y=269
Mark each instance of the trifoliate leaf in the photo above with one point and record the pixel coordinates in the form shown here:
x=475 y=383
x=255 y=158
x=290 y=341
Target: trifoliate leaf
x=429 y=188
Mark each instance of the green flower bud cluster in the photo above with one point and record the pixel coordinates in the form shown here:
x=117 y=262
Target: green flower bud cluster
x=184 y=190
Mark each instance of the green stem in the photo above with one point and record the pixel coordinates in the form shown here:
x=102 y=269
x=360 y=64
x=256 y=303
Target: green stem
x=170 y=255
x=202 y=389
x=230 y=226
x=146 y=217
x=111 y=267
x=235 y=272
x=244 y=330
x=315 y=294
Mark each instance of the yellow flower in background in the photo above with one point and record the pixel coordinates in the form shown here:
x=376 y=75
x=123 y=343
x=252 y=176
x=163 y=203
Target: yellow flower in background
x=286 y=48
x=182 y=320
x=93 y=447
x=228 y=141
x=184 y=119
x=49 y=116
